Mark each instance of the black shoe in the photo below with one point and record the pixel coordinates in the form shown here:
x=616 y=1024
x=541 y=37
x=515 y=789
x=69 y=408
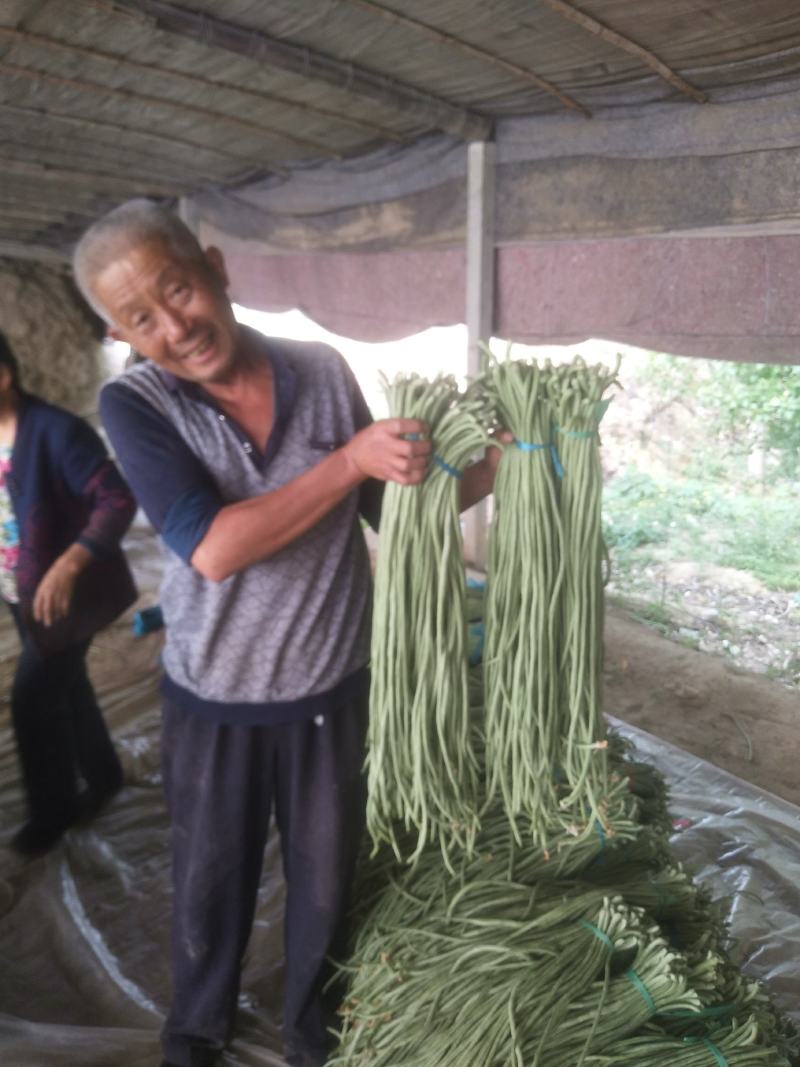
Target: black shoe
x=35 y=838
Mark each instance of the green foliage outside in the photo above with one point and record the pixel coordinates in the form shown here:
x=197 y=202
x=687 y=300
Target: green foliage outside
x=699 y=502
x=747 y=405
x=706 y=522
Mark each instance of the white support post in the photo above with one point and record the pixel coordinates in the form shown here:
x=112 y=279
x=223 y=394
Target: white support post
x=480 y=303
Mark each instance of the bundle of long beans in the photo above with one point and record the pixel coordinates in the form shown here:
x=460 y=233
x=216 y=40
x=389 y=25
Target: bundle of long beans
x=523 y=610
x=423 y=773
x=545 y=736
x=739 y=1044
x=577 y=398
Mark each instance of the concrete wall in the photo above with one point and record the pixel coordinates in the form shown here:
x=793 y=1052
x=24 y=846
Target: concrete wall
x=51 y=333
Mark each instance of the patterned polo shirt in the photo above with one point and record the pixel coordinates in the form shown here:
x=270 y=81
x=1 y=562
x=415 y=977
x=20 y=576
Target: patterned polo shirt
x=277 y=640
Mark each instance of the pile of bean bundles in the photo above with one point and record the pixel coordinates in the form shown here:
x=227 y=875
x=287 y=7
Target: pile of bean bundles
x=521 y=906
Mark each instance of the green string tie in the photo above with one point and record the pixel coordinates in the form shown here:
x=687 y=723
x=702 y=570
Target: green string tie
x=712 y=1048
x=639 y=985
x=715 y=1011
x=598 y=933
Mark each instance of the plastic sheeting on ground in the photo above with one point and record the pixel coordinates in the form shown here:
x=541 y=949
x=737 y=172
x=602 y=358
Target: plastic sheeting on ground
x=744 y=843
x=84 y=977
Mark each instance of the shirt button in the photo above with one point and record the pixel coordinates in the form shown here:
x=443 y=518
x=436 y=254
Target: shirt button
x=247 y=447
x=221 y=418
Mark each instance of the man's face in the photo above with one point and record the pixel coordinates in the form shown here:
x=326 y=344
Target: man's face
x=174 y=312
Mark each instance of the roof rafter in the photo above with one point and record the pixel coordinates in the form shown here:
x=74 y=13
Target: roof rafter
x=470 y=49
x=94 y=180
x=36 y=148
x=49 y=115
x=37 y=212
x=157 y=101
x=13 y=249
x=431 y=111
x=40 y=41
x=618 y=40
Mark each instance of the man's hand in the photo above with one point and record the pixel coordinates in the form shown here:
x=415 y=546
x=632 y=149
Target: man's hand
x=478 y=480
x=53 y=596
x=392 y=450
x=493 y=453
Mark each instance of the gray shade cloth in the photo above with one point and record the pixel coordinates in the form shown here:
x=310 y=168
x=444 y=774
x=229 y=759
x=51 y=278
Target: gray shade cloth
x=667 y=226
x=633 y=169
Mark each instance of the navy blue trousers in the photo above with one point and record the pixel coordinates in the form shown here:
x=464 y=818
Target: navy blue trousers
x=59 y=729
x=221 y=783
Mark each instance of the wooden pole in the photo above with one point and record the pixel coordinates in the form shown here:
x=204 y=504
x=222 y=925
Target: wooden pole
x=204 y=85
x=403 y=101
x=605 y=33
x=465 y=47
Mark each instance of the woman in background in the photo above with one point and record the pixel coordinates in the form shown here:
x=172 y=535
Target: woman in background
x=64 y=509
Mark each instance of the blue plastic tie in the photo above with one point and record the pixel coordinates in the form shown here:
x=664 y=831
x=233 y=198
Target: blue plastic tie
x=452 y=471
x=526 y=446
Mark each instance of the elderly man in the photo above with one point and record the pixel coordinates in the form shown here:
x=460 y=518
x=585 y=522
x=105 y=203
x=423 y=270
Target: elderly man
x=253 y=458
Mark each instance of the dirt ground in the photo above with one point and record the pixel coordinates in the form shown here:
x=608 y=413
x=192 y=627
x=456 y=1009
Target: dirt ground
x=744 y=722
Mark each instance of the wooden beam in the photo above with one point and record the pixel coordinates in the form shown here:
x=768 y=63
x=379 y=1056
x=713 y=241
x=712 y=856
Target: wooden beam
x=137 y=99
x=96 y=182
x=403 y=100
x=10 y=248
x=599 y=29
x=40 y=115
x=196 y=81
x=460 y=45
x=479 y=303
x=47 y=192
x=119 y=165
x=31 y=213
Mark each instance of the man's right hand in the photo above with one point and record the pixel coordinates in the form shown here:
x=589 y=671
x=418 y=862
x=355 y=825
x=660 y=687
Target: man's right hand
x=392 y=450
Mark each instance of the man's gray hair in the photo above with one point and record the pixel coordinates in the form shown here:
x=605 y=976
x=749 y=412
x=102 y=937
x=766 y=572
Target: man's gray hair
x=123 y=228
